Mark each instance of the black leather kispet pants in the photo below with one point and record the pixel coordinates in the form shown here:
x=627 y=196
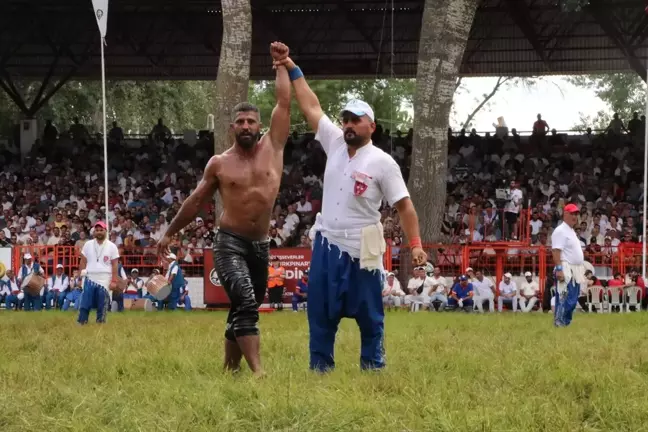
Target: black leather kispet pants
x=242 y=267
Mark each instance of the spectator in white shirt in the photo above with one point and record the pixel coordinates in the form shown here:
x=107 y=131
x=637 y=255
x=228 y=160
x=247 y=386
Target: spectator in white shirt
x=507 y=293
x=439 y=290
x=57 y=286
x=512 y=211
x=418 y=289
x=484 y=291
x=393 y=294
x=529 y=292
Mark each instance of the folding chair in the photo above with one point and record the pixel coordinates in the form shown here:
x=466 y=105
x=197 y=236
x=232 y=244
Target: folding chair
x=597 y=297
x=633 y=295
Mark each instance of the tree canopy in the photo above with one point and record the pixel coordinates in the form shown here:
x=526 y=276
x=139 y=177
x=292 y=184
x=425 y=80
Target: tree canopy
x=623 y=93
x=137 y=105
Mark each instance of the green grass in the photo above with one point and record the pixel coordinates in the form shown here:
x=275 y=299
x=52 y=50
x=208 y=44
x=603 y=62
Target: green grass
x=446 y=372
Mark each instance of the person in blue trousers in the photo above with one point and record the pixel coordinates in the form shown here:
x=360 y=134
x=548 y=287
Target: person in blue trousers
x=74 y=294
x=119 y=297
x=569 y=262
x=57 y=288
x=14 y=296
x=347 y=260
x=184 y=297
x=301 y=292
x=176 y=279
x=99 y=259
x=461 y=296
x=32 y=302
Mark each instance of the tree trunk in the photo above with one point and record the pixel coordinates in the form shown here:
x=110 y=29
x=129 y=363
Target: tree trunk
x=233 y=73
x=444 y=33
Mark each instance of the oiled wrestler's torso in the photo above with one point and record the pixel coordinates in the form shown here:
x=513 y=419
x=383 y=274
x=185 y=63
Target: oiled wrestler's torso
x=248 y=185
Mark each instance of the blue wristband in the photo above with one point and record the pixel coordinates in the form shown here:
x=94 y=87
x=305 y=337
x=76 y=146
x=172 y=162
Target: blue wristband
x=558 y=268
x=295 y=74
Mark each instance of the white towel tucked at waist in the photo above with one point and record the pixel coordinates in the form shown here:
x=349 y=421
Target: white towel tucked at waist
x=352 y=241
x=575 y=272
x=372 y=247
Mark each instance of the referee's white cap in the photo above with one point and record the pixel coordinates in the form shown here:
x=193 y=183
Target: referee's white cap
x=359 y=108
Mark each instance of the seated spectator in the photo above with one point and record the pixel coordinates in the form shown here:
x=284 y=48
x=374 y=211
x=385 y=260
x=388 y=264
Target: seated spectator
x=418 y=289
x=507 y=293
x=484 y=292
x=461 y=296
x=392 y=294
x=529 y=293
x=439 y=290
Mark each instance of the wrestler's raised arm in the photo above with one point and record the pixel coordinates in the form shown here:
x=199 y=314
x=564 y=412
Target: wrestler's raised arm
x=307 y=100
x=280 y=121
x=192 y=205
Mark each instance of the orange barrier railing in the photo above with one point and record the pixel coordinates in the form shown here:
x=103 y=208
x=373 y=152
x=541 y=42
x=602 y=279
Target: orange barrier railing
x=494 y=259
x=144 y=259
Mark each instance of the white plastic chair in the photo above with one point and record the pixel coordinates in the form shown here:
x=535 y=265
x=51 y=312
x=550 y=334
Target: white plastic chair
x=633 y=294
x=615 y=298
x=596 y=296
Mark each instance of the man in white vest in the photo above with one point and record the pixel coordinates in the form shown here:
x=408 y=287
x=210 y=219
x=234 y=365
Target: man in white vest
x=57 y=287
x=14 y=295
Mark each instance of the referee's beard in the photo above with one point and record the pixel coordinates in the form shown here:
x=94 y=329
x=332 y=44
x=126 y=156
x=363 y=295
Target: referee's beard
x=101 y=235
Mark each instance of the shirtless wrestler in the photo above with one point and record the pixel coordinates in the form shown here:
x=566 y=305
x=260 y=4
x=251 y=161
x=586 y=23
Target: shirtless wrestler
x=247 y=176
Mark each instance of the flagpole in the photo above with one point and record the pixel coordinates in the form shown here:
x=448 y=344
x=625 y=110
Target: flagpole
x=645 y=198
x=105 y=136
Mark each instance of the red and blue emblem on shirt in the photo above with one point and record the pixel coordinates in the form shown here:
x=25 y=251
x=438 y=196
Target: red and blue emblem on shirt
x=360 y=185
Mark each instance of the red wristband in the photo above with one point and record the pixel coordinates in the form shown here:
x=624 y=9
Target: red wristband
x=416 y=242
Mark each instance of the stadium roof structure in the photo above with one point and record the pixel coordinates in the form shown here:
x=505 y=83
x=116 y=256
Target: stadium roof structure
x=180 y=39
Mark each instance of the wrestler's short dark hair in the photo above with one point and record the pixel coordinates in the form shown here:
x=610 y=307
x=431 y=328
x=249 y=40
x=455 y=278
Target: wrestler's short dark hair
x=245 y=107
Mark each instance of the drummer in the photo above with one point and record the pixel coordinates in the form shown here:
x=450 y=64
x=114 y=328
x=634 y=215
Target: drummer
x=145 y=292
x=32 y=302
x=184 y=297
x=14 y=298
x=176 y=280
x=135 y=286
x=118 y=297
x=57 y=287
x=74 y=294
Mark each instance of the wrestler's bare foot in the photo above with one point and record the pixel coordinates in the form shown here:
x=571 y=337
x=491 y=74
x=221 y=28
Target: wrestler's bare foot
x=250 y=347
x=259 y=375
x=233 y=357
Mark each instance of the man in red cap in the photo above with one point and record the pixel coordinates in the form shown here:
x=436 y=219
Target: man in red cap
x=569 y=270
x=99 y=268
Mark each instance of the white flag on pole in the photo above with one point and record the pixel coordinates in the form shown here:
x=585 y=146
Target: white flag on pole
x=101 y=13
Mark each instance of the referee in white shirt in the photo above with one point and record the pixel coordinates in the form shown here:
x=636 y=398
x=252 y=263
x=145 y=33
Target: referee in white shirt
x=99 y=263
x=569 y=267
x=346 y=265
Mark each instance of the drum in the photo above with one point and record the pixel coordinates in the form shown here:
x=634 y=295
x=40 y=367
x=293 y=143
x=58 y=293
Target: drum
x=141 y=304
x=121 y=286
x=128 y=304
x=33 y=283
x=158 y=287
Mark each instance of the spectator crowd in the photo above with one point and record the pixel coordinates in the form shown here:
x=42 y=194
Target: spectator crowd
x=55 y=194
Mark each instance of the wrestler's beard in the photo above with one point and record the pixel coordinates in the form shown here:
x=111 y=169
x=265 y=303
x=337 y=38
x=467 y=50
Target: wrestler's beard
x=247 y=140
x=352 y=139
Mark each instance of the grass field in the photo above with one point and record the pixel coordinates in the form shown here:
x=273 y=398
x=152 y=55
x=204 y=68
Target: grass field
x=446 y=372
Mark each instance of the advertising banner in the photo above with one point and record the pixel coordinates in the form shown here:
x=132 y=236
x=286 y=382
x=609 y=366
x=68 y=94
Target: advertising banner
x=293 y=260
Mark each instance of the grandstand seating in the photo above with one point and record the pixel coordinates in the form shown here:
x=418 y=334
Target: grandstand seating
x=51 y=198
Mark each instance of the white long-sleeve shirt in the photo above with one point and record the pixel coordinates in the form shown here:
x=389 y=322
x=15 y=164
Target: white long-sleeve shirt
x=58 y=283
